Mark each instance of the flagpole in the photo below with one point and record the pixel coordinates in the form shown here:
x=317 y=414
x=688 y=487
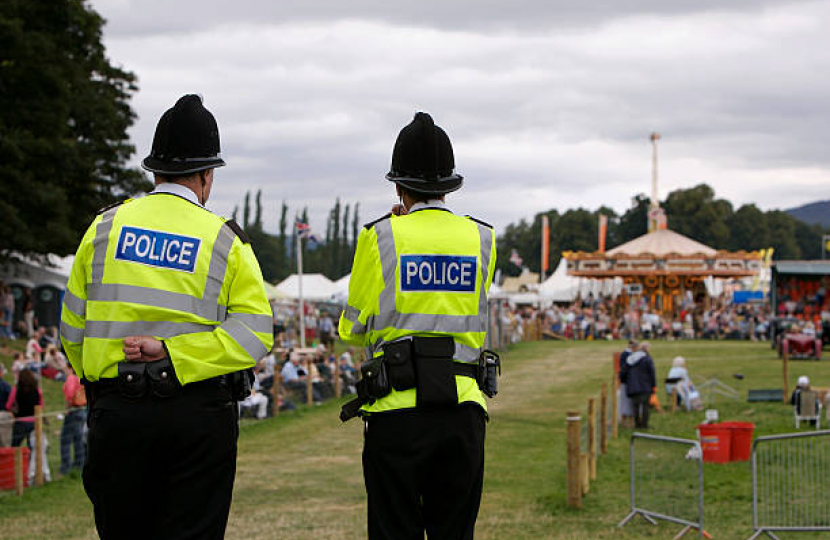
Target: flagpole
x=300 y=285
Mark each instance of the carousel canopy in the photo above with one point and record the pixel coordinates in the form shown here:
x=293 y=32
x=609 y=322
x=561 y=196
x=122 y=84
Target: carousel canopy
x=663 y=253
x=662 y=242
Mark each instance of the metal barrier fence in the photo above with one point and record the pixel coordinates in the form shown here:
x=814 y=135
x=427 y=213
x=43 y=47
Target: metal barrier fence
x=789 y=483
x=666 y=481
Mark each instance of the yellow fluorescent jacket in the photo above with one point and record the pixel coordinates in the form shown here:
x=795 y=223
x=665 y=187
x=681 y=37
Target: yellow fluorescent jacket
x=384 y=306
x=165 y=267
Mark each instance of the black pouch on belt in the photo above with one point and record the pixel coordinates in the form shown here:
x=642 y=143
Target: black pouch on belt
x=163 y=380
x=432 y=357
x=132 y=382
x=398 y=359
x=375 y=378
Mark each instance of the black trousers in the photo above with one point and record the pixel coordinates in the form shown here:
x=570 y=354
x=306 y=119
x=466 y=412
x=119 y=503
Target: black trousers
x=641 y=410
x=162 y=468
x=424 y=470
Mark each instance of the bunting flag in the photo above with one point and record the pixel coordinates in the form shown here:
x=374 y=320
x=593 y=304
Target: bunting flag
x=545 y=244
x=515 y=259
x=303 y=228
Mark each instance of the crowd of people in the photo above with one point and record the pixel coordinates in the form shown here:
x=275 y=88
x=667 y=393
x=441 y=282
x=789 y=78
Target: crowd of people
x=42 y=358
x=603 y=319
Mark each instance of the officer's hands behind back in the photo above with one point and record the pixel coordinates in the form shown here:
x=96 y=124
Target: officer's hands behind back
x=143 y=349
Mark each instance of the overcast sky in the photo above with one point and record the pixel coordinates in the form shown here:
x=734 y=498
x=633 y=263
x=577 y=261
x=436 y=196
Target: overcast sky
x=549 y=103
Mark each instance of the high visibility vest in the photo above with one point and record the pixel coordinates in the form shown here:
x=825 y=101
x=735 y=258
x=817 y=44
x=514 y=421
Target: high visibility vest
x=165 y=267
x=426 y=273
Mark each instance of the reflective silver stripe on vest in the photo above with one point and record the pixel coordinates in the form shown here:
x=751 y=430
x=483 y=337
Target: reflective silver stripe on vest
x=389 y=316
x=352 y=314
x=245 y=338
x=263 y=324
x=388 y=263
x=486 y=235
x=100 y=243
x=158 y=329
x=74 y=304
x=219 y=262
x=72 y=334
x=147 y=296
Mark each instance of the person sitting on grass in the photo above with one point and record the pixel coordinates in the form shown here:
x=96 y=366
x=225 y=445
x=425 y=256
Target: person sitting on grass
x=795 y=400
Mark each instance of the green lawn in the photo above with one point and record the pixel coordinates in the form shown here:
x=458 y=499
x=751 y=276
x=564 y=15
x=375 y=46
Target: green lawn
x=299 y=475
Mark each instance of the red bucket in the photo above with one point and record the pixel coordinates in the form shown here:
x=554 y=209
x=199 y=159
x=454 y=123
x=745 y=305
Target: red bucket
x=716 y=442
x=7 y=478
x=741 y=449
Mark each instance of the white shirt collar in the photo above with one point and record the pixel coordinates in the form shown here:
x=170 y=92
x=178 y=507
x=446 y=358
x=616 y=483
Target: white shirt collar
x=177 y=189
x=432 y=203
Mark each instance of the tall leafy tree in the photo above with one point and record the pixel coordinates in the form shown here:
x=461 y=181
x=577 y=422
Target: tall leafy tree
x=64 y=115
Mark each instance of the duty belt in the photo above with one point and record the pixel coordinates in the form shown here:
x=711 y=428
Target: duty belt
x=423 y=363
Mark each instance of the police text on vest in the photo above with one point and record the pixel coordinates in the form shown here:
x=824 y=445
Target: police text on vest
x=448 y=273
x=157 y=248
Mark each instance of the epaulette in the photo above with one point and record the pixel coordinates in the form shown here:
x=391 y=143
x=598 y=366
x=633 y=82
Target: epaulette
x=111 y=206
x=378 y=220
x=471 y=218
x=234 y=226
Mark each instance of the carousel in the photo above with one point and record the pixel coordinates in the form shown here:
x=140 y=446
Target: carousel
x=663 y=266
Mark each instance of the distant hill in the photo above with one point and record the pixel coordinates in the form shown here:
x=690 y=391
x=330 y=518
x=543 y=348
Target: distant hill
x=817 y=212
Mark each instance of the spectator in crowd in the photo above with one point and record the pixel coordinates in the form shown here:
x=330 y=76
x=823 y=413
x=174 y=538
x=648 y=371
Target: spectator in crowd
x=18 y=365
x=54 y=364
x=6 y=418
x=678 y=377
x=625 y=405
x=6 y=311
x=72 y=432
x=28 y=312
x=25 y=395
x=265 y=370
x=795 y=399
x=326 y=330
x=294 y=378
x=34 y=351
x=256 y=401
x=640 y=381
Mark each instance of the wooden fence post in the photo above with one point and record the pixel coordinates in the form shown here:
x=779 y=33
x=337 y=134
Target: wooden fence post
x=603 y=420
x=585 y=472
x=786 y=374
x=38 y=445
x=337 y=383
x=309 y=388
x=574 y=477
x=18 y=470
x=592 y=437
x=615 y=413
x=275 y=392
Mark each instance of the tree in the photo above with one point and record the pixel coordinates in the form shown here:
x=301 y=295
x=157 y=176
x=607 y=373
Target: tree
x=695 y=213
x=748 y=229
x=64 y=115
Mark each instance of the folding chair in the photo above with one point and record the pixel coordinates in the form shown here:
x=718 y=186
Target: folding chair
x=810 y=407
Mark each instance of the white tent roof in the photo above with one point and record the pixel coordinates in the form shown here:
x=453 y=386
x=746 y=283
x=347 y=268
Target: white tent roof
x=341 y=289
x=316 y=287
x=662 y=242
x=560 y=287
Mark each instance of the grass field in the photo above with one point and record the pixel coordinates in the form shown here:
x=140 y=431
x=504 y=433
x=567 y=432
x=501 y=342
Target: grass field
x=299 y=475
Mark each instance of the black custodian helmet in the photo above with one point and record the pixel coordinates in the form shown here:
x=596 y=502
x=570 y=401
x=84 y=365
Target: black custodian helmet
x=423 y=160
x=186 y=140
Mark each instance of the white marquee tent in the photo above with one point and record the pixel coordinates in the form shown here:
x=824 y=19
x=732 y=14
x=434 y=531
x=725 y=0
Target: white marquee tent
x=316 y=287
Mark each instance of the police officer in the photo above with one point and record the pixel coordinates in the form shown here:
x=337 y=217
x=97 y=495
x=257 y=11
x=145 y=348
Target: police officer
x=418 y=303
x=164 y=314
